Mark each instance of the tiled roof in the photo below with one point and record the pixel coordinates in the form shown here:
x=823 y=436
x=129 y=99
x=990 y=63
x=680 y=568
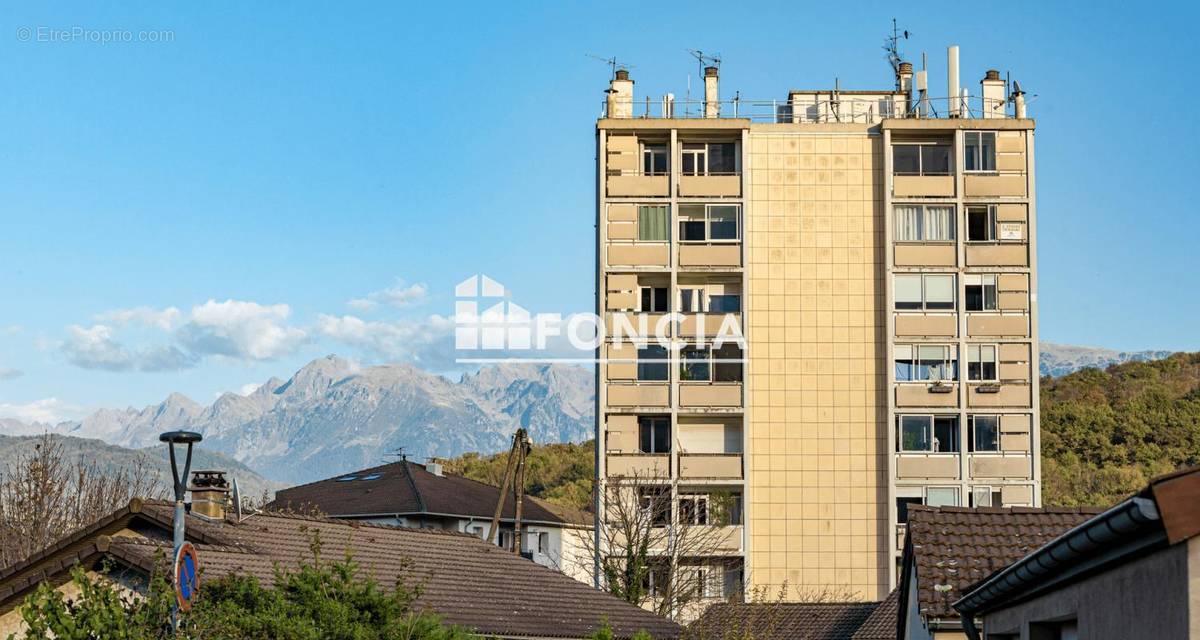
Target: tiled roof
x=408 y=488
x=784 y=620
x=881 y=624
x=955 y=547
x=464 y=579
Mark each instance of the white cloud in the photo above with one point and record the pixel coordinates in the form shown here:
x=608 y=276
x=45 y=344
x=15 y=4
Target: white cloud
x=397 y=295
x=47 y=410
x=10 y=374
x=96 y=348
x=429 y=343
x=148 y=316
x=10 y=330
x=249 y=388
x=241 y=330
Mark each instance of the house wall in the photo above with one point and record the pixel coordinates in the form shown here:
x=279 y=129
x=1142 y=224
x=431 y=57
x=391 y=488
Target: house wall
x=12 y=624
x=1145 y=598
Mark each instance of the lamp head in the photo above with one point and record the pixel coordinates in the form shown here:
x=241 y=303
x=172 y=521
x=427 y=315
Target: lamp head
x=180 y=437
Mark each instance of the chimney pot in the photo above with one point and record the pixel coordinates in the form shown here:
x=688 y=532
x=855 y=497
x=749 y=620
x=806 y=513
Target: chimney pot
x=710 y=72
x=622 y=74
x=992 y=74
x=210 y=491
x=906 y=67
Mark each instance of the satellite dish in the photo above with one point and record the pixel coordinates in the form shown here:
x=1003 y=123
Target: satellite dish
x=237 y=500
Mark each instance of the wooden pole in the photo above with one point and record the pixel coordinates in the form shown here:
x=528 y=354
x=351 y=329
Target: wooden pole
x=519 y=489
x=494 y=530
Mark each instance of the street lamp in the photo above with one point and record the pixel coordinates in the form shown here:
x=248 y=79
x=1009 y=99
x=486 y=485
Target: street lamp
x=173 y=438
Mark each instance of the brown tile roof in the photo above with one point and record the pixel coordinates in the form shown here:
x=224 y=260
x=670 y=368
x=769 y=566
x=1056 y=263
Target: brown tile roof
x=881 y=624
x=784 y=620
x=954 y=547
x=408 y=488
x=465 y=580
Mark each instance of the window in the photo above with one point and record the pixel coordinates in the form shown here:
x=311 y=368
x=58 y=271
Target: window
x=941 y=496
x=929 y=292
x=985 y=433
x=654 y=300
x=902 y=505
x=693 y=509
x=654 y=434
x=986 y=497
x=979 y=151
x=506 y=539
x=709 y=159
x=981 y=223
x=928 y=434
x=921 y=159
x=981 y=362
x=980 y=292
x=704 y=364
x=477 y=531
x=708 y=223
x=656 y=579
x=654 y=160
x=655 y=503
x=653 y=223
x=541 y=541
x=691 y=300
x=915 y=223
x=924 y=362
x=652 y=364
x=725 y=303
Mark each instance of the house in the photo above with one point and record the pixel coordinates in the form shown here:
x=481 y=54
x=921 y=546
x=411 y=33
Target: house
x=1132 y=571
x=467 y=581
x=947 y=549
x=799 y=620
x=408 y=494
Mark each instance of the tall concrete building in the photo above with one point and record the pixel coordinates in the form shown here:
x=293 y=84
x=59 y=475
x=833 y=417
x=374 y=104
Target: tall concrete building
x=877 y=251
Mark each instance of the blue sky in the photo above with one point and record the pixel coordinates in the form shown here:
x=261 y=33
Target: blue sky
x=204 y=213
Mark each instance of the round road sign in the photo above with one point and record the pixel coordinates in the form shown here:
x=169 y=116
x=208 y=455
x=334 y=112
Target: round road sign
x=187 y=576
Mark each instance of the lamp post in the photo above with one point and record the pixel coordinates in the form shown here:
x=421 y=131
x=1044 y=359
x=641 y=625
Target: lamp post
x=173 y=438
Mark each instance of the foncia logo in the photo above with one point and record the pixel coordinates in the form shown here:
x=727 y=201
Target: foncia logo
x=490 y=327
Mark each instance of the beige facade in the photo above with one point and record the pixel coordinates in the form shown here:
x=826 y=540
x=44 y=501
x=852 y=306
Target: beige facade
x=788 y=224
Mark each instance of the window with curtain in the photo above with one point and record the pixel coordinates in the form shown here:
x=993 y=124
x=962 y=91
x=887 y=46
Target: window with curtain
x=931 y=292
x=908 y=223
x=652 y=223
x=914 y=223
x=981 y=362
x=939 y=223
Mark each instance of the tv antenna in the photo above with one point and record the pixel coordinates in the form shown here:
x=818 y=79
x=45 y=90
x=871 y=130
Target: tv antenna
x=705 y=61
x=612 y=63
x=892 y=45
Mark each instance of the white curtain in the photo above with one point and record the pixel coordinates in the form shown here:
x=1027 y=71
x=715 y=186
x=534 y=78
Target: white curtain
x=908 y=223
x=939 y=223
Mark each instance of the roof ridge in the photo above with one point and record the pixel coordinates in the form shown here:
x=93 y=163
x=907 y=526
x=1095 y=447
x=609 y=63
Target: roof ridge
x=340 y=475
x=413 y=483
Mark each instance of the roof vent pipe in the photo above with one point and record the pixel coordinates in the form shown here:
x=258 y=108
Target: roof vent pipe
x=712 y=100
x=952 y=80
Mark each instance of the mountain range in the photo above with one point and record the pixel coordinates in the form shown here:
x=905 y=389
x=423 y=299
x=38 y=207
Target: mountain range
x=334 y=415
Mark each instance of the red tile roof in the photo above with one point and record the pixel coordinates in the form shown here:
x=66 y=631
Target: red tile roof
x=790 y=621
x=954 y=547
x=409 y=488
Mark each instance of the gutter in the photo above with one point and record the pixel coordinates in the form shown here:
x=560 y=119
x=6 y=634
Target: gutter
x=1126 y=529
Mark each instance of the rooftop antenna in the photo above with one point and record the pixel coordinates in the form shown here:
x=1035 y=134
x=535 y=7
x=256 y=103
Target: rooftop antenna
x=398 y=453
x=892 y=45
x=705 y=61
x=612 y=63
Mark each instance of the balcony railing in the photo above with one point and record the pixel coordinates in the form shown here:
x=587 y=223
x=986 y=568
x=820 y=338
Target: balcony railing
x=840 y=109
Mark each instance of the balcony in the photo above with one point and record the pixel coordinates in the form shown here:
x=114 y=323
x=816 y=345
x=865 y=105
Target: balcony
x=718 y=539
x=997 y=255
x=715 y=255
x=710 y=395
x=927 y=325
x=707 y=324
x=990 y=325
x=633 y=324
x=639 y=465
x=638 y=186
x=928 y=466
x=908 y=186
x=926 y=395
x=640 y=254
x=646 y=394
x=711 y=186
x=999 y=395
x=994 y=185
x=710 y=466
x=925 y=255
x=1001 y=466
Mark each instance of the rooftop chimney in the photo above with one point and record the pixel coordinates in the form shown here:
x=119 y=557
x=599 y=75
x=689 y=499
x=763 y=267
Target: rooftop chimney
x=993 y=94
x=712 y=98
x=904 y=83
x=620 y=95
x=952 y=81
x=434 y=467
x=210 y=494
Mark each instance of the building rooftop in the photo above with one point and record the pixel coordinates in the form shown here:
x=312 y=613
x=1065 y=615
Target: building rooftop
x=952 y=548
x=408 y=488
x=465 y=580
x=798 y=620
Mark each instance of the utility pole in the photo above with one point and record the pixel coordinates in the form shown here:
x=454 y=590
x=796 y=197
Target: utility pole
x=519 y=489
x=514 y=467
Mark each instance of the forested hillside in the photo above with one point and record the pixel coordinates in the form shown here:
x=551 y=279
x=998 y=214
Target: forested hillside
x=1105 y=433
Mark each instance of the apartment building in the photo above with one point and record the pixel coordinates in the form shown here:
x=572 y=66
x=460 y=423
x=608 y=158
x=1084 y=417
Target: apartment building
x=875 y=250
